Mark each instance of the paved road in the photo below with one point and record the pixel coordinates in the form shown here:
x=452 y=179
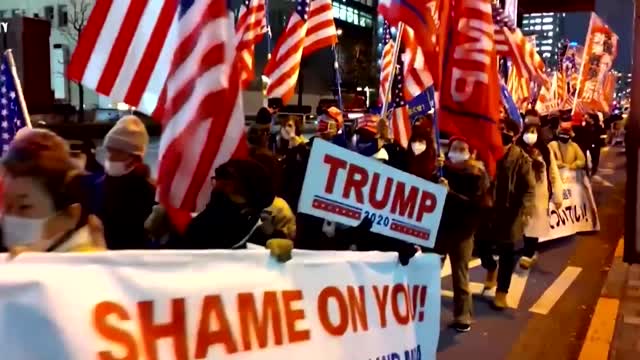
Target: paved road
x=579 y=264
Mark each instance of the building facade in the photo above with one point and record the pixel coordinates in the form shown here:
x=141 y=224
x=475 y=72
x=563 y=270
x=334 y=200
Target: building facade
x=548 y=29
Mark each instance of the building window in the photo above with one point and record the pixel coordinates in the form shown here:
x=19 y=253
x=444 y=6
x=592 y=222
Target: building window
x=547 y=27
x=537 y=27
x=546 y=55
x=547 y=20
x=48 y=13
x=17 y=12
x=63 y=15
x=545 y=48
x=3 y=14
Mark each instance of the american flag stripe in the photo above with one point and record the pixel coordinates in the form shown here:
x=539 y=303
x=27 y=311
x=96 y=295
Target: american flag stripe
x=417 y=75
x=284 y=66
x=386 y=62
x=321 y=29
x=250 y=29
x=98 y=62
x=400 y=123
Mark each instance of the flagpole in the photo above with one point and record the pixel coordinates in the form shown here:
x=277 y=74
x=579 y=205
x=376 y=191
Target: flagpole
x=586 y=45
x=338 y=80
x=14 y=72
x=394 y=63
x=265 y=100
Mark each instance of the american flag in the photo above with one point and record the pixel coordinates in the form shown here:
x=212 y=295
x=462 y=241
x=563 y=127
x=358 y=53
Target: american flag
x=386 y=61
x=250 y=29
x=415 y=14
x=400 y=123
x=12 y=118
x=171 y=58
x=310 y=28
x=510 y=42
x=417 y=74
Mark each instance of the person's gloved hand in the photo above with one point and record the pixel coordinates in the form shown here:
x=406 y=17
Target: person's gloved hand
x=280 y=249
x=365 y=224
x=405 y=255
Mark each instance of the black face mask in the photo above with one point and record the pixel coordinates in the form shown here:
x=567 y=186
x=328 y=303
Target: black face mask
x=564 y=138
x=507 y=139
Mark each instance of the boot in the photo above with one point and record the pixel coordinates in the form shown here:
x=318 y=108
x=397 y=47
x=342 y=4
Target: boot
x=491 y=280
x=500 y=301
x=527 y=263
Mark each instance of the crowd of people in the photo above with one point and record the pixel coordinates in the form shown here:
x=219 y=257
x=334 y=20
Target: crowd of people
x=59 y=198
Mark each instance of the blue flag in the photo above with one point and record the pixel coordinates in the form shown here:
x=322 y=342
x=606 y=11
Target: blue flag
x=422 y=104
x=12 y=118
x=508 y=102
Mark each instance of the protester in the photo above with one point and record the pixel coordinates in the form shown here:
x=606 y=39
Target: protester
x=84 y=157
x=242 y=190
x=468 y=183
x=44 y=198
x=548 y=128
x=548 y=186
x=128 y=195
x=421 y=155
x=567 y=153
x=513 y=204
x=293 y=162
x=372 y=139
x=259 y=150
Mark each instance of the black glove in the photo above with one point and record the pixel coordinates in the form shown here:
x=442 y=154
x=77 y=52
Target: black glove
x=406 y=254
x=366 y=224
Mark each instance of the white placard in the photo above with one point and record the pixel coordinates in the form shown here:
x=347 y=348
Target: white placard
x=219 y=305
x=346 y=187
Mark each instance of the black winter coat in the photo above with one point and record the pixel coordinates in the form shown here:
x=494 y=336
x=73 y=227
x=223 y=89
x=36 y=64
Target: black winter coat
x=127 y=202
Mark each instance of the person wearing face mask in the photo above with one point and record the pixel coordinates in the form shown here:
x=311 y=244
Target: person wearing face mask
x=513 y=204
x=548 y=187
x=293 y=161
x=128 y=194
x=468 y=183
x=567 y=153
x=421 y=155
x=44 y=198
x=232 y=218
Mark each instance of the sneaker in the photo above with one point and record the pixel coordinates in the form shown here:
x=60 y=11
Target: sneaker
x=460 y=327
x=491 y=280
x=500 y=301
x=527 y=263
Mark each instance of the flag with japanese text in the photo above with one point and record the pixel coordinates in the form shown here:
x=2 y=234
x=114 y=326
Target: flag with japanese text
x=599 y=53
x=470 y=95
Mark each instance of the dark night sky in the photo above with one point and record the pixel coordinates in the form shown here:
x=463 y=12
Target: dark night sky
x=618 y=14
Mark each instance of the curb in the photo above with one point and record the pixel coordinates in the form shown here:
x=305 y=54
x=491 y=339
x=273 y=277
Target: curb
x=604 y=333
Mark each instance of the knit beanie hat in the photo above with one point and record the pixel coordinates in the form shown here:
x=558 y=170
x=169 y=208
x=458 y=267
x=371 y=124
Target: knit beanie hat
x=128 y=135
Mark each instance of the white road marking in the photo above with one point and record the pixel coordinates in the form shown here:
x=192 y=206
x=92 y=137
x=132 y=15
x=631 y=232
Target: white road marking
x=518 y=284
x=600 y=180
x=553 y=293
x=446 y=268
x=475 y=287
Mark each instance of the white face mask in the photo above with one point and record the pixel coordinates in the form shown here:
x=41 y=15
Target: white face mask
x=418 y=147
x=287 y=133
x=21 y=231
x=530 y=138
x=457 y=157
x=116 y=168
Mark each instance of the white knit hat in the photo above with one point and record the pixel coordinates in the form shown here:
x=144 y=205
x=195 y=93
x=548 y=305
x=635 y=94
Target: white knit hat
x=128 y=135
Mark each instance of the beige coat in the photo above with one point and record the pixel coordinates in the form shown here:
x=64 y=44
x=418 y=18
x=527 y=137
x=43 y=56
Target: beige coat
x=567 y=155
x=538 y=225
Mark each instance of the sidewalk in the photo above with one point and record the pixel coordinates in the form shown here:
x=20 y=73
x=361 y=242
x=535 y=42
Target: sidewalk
x=614 y=332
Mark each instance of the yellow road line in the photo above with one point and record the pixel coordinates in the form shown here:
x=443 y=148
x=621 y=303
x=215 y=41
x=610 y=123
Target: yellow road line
x=603 y=324
x=619 y=249
x=598 y=341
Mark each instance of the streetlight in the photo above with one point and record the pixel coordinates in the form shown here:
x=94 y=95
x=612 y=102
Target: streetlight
x=339 y=31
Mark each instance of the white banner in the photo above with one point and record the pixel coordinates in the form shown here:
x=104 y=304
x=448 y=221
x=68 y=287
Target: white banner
x=346 y=187
x=219 y=305
x=579 y=212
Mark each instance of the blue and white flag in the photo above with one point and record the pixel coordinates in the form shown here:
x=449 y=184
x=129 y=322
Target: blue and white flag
x=512 y=108
x=422 y=104
x=12 y=117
